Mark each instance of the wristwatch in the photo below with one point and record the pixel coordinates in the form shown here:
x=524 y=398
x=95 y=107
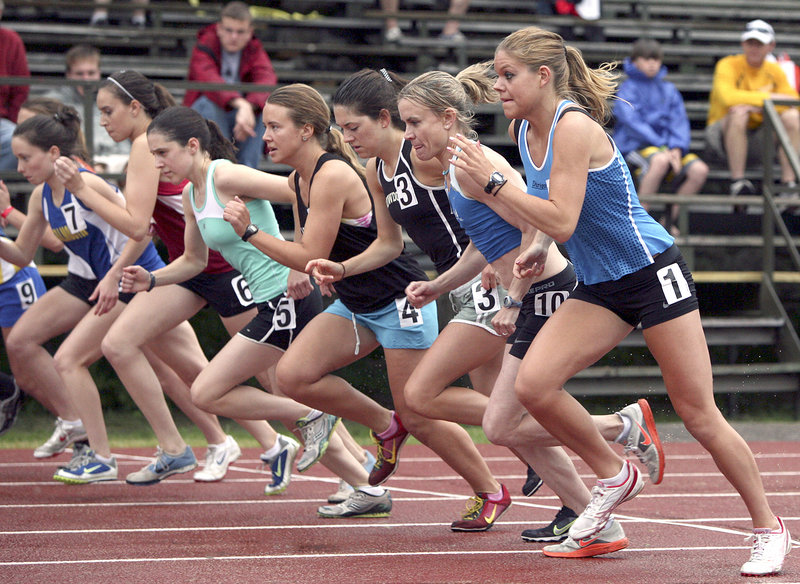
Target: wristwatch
x=509 y=302
x=496 y=179
x=249 y=231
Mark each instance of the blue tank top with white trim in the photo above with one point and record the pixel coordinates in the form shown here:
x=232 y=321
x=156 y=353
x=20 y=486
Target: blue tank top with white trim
x=490 y=233
x=92 y=244
x=614 y=236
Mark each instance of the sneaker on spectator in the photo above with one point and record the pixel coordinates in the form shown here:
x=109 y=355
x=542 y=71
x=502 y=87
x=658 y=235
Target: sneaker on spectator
x=218 y=457
x=482 y=513
x=557 y=530
x=605 y=498
x=360 y=504
x=316 y=437
x=532 y=483
x=785 y=191
x=9 y=408
x=388 y=450
x=643 y=439
x=163 y=466
x=769 y=550
x=610 y=539
x=61 y=438
x=741 y=187
x=89 y=470
x=281 y=465
x=345 y=490
x=393 y=35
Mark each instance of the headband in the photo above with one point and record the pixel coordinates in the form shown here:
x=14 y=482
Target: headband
x=125 y=91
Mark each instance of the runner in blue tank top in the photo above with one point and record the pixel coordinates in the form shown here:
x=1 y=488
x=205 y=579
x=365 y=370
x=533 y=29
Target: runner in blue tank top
x=630 y=273
x=20 y=287
x=97 y=254
x=187 y=147
x=435 y=106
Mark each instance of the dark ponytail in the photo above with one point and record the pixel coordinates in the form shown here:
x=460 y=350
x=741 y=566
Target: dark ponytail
x=61 y=129
x=180 y=123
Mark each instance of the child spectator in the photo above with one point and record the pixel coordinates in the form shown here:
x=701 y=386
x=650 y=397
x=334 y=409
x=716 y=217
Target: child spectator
x=652 y=128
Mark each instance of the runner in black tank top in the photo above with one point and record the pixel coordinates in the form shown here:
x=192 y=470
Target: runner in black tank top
x=298 y=133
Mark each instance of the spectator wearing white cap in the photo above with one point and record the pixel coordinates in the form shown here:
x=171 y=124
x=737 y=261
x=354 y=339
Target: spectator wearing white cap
x=740 y=86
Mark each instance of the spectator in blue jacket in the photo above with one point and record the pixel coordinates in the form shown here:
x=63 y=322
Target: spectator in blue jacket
x=652 y=129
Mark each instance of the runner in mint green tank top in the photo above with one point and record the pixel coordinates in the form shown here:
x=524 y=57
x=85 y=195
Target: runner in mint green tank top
x=187 y=147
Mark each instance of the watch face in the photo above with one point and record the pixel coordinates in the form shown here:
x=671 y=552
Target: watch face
x=497 y=177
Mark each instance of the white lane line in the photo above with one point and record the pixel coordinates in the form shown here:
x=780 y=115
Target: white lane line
x=393 y=554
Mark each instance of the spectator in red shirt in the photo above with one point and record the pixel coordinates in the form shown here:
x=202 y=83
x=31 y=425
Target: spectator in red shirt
x=227 y=52
x=13 y=63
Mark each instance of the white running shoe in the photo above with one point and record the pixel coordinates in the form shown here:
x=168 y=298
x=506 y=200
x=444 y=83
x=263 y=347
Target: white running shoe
x=62 y=437
x=218 y=457
x=610 y=539
x=769 y=550
x=643 y=439
x=605 y=498
x=316 y=436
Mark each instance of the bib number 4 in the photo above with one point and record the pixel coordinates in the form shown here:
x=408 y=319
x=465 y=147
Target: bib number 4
x=407 y=313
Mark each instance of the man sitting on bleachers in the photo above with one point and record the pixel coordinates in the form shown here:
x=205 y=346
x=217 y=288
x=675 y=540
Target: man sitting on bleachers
x=227 y=52
x=741 y=85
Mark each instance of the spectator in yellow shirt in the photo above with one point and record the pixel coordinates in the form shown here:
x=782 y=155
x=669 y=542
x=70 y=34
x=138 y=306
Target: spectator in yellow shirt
x=741 y=85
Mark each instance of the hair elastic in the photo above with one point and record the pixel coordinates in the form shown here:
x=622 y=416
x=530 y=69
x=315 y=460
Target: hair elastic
x=118 y=84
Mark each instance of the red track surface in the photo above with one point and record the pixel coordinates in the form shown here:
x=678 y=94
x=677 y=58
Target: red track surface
x=691 y=528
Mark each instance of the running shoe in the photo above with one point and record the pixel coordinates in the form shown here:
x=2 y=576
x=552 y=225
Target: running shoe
x=556 y=531
x=360 y=504
x=218 y=457
x=281 y=465
x=345 y=490
x=643 y=439
x=532 y=483
x=388 y=449
x=605 y=498
x=61 y=438
x=481 y=513
x=316 y=437
x=769 y=550
x=163 y=466
x=79 y=450
x=90 y=470
x=9 y=408
x=610 y=539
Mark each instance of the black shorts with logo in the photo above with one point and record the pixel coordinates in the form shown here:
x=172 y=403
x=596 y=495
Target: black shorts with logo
x=227 y=293
x=662 y=291
x=280 y=320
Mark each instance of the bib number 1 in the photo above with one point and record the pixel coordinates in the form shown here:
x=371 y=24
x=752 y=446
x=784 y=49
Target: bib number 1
x=673 y=284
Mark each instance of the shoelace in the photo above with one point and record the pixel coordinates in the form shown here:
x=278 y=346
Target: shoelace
x=211 y=454
x=474 y=506
x=759 y=545
x=593 y=509
x=160 y=463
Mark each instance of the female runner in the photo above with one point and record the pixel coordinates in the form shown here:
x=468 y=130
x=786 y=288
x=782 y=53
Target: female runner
x=339 y=221
x=579 y=191
x=188 y=147
x=97 y=254
x=128 y=102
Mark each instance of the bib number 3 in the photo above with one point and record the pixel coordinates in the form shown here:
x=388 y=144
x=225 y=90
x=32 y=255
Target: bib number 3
x=486 y=301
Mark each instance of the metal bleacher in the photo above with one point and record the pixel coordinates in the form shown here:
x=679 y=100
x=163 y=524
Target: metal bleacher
x=753 y=342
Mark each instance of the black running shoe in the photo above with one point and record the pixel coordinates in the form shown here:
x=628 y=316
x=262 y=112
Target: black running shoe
x=532 y=483
x=558 y=530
